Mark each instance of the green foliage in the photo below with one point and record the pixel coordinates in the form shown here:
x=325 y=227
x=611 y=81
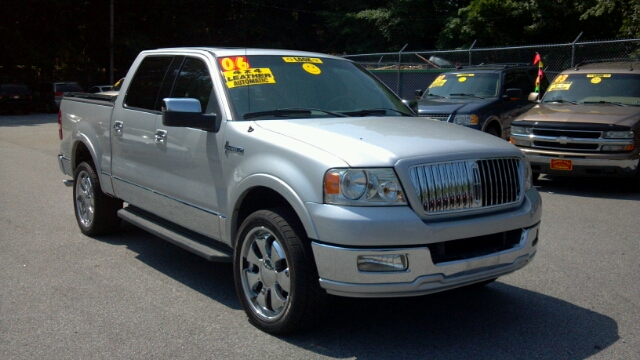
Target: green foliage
x=69 y=39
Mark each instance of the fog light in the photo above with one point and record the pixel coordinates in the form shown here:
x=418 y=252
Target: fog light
x=519 y=142
x=380 y=263
x=618 y=147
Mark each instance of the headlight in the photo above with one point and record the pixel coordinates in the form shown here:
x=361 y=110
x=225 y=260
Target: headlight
x=528 y=174
x=618 y=134
x=520 y=130
x=363 y=187
x=466 y=119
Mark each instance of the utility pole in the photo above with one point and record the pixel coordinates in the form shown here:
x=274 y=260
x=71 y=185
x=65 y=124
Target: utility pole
x=111 y=44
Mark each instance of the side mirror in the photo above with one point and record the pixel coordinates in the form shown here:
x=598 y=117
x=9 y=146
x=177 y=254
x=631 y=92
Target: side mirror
x=411 y=104
x=533 y=97
x=513 y=94
x=419 y=93
x=186 y=112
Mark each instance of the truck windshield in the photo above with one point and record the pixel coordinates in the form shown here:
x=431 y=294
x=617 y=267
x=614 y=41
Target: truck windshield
x=595 y=88
x=274 y=87
x=479 y=85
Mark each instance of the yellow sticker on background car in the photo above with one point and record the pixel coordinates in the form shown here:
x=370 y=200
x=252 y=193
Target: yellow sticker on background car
x=311 y=69
x=437 y=83
x=560 y=86
x=256 y=76
x=462 y=79
x=560 y=79
x=599 y=75
x=596 y=80
x=465 y=75
x=297 y=59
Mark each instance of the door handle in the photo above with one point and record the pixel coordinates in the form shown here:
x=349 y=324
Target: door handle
x=117 y=127
x=161 y=137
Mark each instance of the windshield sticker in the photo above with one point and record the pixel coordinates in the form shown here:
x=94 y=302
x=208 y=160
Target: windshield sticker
x=257 y=76
x=462 y=79
x=560 y=79
x=559 y=86
x=311 y=69
x=295 y=59
x=596 y=80
x=234 y=63
x=598 y=75
x=465 y=75
x=438 y=82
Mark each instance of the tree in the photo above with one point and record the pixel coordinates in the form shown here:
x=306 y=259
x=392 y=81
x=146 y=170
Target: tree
x=500 y=23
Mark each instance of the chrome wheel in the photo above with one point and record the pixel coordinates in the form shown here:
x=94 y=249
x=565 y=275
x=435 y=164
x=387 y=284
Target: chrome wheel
x=265 y=274
x=85 y=199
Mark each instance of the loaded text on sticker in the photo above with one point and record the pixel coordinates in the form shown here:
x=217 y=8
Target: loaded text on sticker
x=562 y=86
x=234 y=63
x=561 y=164
x=598 y=75
x=295 y=59
x=311 y=69
x=257 y=76
x=465 y=75
x=560 y=78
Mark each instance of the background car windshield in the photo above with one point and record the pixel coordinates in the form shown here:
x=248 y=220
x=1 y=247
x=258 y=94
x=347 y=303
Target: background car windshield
x=266 y=83
x=595 y=87
x=68 y=88
x=478 y=84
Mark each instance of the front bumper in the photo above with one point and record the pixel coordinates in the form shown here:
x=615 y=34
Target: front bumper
x=621 y=165
x=339 y=274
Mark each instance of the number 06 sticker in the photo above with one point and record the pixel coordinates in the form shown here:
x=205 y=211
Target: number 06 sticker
x=234 y=63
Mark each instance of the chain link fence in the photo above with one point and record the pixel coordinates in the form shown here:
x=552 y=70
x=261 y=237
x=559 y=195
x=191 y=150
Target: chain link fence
x=405 y=72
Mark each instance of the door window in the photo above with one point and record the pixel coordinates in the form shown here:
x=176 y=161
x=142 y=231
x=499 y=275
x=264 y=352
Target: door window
x=194 y=81
x=146 y=83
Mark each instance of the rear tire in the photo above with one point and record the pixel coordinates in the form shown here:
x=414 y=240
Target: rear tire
x=275 y=273
x=96 y=212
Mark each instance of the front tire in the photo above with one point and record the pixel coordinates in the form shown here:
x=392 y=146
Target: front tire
x=96 y=212
x=275 y=274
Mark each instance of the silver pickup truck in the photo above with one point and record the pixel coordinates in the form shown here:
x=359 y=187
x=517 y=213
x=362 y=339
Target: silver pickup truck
x=303 y=170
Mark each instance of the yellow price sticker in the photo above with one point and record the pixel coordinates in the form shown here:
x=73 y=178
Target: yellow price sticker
x=257 y=76
x=298 y=59
x=562 y=86
x=598 y=75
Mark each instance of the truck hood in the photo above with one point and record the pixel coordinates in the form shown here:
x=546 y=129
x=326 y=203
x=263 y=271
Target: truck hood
x=382 y=141
x=448 y=106
x=600 y=114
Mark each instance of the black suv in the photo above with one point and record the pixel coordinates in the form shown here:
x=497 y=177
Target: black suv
x=483 y=97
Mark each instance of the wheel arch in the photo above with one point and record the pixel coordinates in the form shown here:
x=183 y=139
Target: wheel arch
x=493 y=121
x=258 y=192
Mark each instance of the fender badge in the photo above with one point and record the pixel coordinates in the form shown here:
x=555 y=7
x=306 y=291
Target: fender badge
x=233 y=149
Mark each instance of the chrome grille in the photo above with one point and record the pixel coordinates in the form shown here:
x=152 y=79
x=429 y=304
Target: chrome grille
x=441 y=117
x=465 y=185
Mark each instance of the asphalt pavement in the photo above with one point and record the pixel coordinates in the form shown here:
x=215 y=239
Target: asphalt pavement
x=130 y=295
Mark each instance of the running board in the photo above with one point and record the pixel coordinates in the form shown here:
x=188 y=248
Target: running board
x=176 y=235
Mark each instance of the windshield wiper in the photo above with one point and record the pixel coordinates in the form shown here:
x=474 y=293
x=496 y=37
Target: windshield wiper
x=286 y=112
x=436 y=95
x=604 y=102
x=376 y=111
x=472 y=95
x=561 y=101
